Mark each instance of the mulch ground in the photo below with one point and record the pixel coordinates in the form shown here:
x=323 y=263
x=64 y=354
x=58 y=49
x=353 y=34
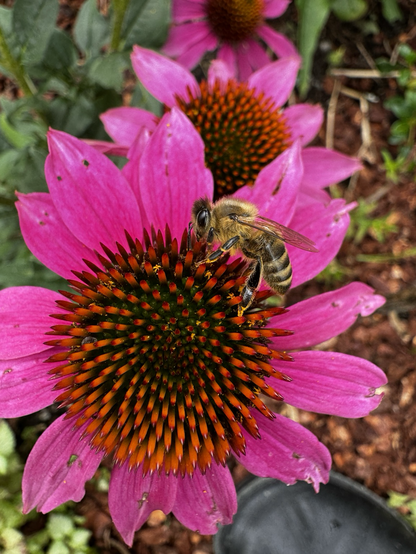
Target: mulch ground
x=380 y=449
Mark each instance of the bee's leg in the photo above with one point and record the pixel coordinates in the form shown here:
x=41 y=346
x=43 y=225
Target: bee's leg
x=251 y=286
x=189 y=244
x=224 y=248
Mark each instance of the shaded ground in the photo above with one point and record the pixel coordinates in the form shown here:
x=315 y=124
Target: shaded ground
x=379 y=450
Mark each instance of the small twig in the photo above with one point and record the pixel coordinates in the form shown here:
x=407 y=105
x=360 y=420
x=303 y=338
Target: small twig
x=366 y=150
x=366 y=55
x=366 y=73
x=379 y=258
x=332 y=108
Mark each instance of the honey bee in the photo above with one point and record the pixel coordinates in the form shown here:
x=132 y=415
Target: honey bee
x=237 y=225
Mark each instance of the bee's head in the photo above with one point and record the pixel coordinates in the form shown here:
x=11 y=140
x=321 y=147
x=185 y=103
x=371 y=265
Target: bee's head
x=201 y=217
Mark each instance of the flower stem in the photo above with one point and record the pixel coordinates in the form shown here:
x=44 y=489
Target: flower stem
x=15 y=67
x=120 y=7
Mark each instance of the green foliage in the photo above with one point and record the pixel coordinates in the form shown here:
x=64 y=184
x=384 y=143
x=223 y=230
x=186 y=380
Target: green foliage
x=313 y=14
x=403 y=106
x=333 y=274
x=66 y=81
x=63 y=532
x=406 y=506
x=362 y=223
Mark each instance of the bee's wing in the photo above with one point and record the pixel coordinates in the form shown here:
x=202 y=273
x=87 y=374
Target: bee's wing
x=277 y=230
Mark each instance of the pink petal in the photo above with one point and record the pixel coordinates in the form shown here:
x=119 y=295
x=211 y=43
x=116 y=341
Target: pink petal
x=162 y=77
x=184 y=10
x=203 y=501
x=131 y=171
x=219 y=71
x=124 y=124
x=24 y=319
x=227 y=54
x=173 y=173
x=274 y=8
x=276 y=79
x=278 y=43
x=304 y=121
x=326 y=226
x=309 y=197
x=192 y=55
x=286 y=451
x=323 y=167
x=330 y=383
x=106 y=147
x=90 y=194
x=250 y=57
x=285 y=172
x=25 y=385
x=131 y=498
x=321 y=317
x=58 y=466
x=48 y=238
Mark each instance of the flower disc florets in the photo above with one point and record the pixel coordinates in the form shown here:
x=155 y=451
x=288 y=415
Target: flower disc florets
x=234 y=20
x=242 y=132
x=157 y=364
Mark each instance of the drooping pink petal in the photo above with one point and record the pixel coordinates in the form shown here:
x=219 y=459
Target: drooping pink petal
x=227 y=54
x=203 y=501
x=185 y=10
x=286 y=451
x=276 y=79
x=164 y=78
x=106 y=147
x=207 y=42
x=323 y=167
x=304 y=121
x=284 y=172
x=172 y=173
x=309 y=197
x=278 y=43
x=90 y=194
x=274 y=8
x=25 y=385
x=321 y=317
x=24 y=319
x=250 y=57
x=58 y=466
x=330 y=383
x=219 y=71
x=131 y=498
x=326 y=226
x=124 y=124
x=47 y=236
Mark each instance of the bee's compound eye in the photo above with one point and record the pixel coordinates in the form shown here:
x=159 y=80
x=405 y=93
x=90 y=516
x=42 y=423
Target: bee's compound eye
x=202 y=218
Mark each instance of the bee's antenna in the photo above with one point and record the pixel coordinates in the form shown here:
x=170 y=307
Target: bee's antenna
x=190 y=226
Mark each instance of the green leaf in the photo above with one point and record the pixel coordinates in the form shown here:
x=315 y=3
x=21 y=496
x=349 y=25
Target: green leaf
x=62 y=54
x=91 y=29
x=33 y=25
x=72 y=116
x=312 y=18
x=143 y=99
x=349 y=10
x=13 y=136
x=107 y=71
x=146 y=23
x=391 y=10
x=60 y=526
x=7 y=440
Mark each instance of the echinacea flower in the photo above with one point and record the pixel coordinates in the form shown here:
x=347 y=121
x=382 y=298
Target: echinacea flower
x=147 y=356
x=236 y=27
x=242 y=124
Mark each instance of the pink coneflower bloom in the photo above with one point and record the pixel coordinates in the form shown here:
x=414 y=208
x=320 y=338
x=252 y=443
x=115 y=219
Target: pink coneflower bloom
x=236 y=27
x=148 y=358
x=243 y=125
